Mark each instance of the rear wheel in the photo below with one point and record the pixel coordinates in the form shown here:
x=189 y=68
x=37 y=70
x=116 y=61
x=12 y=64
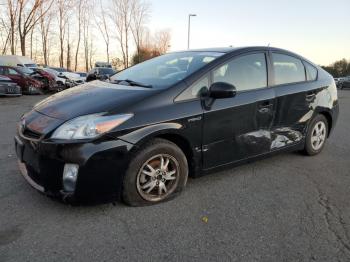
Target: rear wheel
x=316 y=136
x=157 y=173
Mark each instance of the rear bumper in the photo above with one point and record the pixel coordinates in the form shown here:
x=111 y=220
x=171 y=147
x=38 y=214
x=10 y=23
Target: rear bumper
x=101 y=167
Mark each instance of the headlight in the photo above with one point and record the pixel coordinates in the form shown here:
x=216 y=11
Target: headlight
x=89 y=126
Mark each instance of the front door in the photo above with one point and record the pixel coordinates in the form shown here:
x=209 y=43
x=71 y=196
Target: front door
x=240 y=127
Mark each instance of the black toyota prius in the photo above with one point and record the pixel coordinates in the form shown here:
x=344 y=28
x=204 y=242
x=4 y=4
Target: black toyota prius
x=138 y=135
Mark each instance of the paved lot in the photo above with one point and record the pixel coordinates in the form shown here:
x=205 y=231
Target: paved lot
x=285 y=208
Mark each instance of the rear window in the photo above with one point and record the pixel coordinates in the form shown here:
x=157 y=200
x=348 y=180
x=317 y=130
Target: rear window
x=311 y=72
x=287 y=69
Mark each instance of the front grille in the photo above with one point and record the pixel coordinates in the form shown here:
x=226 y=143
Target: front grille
x=31 y=134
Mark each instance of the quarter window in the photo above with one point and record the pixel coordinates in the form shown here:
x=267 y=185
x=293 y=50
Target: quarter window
x=245 y=73
x=195 y=90
x=311 y=72
x=287 y=69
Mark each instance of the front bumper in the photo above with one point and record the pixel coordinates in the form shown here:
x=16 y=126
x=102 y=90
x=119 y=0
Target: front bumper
x=101 y=166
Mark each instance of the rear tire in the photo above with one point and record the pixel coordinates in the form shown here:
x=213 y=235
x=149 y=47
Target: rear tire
x=157 y=172
x=316 y=136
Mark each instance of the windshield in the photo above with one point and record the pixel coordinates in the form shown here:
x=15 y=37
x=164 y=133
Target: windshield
x=25 y=70
x=51 y=71
x=166 y=70
x=106 y=71
x=31 y=65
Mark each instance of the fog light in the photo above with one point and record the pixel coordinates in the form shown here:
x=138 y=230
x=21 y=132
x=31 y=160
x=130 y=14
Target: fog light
x=70 y=175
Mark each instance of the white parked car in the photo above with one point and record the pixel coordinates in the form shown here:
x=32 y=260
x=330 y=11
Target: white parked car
x=61 y=81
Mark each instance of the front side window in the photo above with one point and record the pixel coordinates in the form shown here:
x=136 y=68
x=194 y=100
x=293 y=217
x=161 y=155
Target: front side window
x=247 y=72
x=166 y=70
x=12 y=72
x=287 y=69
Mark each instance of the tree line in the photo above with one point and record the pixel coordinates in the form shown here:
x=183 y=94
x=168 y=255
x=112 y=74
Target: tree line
x=339 y=68
x=64 y=32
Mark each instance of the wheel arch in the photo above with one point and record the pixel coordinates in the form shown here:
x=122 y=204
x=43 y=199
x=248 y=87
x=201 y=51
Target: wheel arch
x=185 y=147
x=329 y=118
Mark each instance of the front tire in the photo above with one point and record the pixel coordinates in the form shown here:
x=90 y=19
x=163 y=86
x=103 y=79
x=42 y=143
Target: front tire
x=157 y=173
x=316 y=136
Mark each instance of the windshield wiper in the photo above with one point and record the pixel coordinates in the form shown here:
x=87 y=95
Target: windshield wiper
x=131 y=83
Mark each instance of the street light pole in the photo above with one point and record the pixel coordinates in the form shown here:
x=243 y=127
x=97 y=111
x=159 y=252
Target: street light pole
x=189 y=29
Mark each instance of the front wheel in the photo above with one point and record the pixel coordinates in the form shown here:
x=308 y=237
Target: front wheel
x=157 y=173
x=316 y=136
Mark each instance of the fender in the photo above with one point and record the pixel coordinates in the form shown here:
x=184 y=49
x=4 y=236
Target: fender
x=138 y=136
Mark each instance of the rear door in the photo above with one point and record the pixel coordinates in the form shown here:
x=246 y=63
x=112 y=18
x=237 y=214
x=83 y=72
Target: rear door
x=296 y=91
x=240 y=127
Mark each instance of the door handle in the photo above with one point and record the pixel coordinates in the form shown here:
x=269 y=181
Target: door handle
x=265 y=107
x=264 y=110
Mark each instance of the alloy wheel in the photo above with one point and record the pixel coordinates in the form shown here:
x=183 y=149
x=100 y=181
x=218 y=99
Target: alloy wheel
x=318 y=136
x=158 y=177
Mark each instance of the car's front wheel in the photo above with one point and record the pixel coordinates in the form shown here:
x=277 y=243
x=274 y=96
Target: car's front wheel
x=157 y=173
x=316 y=136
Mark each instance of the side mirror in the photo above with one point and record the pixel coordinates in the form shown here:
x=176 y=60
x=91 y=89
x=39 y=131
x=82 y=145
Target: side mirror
x=222 y=90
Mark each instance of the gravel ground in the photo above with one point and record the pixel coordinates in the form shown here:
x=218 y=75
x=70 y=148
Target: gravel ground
x=285 y=208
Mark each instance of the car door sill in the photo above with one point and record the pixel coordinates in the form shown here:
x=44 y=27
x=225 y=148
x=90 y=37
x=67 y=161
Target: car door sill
x=289 y=148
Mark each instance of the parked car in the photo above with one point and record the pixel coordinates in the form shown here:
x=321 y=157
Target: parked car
x=28 y=84
x=48 y=81
x=345 y=83
x=8 y=87
x=138 y=136
x=103 y=64
x=15 y=60
x=99 y=73
x=83 y=76
x=74 y=78
x=62 y=82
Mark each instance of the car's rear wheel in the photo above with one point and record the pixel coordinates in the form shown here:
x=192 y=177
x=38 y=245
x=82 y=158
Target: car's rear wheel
x=157 y=173
x=316 y=136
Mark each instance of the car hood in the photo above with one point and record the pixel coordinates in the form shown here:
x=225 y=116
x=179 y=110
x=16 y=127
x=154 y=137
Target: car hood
x=91 y=98
x=71 y=76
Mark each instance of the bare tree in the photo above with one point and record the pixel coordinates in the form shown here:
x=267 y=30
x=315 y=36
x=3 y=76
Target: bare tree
x=12 y=6
x=79 y=20
x=69 y=62
x=140 y=14
x=121 y=14
x=5 y=35
x=162 y=40
x=86 y=28
x=45 y=24
x=63 y=8
x=102 y=25
x=28 y=17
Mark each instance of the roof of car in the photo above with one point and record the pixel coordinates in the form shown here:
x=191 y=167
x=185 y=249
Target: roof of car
x=232 y=49
x=228 y=50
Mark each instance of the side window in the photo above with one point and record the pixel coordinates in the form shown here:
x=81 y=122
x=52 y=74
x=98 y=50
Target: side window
x=311 y=72
x=287 y=69
x=2 y=71
x=245 y=73
x=12 y=71
x=195 y=90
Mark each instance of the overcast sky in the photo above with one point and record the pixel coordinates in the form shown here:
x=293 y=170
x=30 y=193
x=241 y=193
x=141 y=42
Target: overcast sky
x=316 y=29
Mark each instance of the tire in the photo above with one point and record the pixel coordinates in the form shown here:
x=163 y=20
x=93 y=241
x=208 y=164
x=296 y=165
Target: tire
x=314 y=143
x=136 y=183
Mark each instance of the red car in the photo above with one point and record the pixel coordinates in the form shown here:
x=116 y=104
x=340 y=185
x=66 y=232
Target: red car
x=46 y=78
x=21 y=76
